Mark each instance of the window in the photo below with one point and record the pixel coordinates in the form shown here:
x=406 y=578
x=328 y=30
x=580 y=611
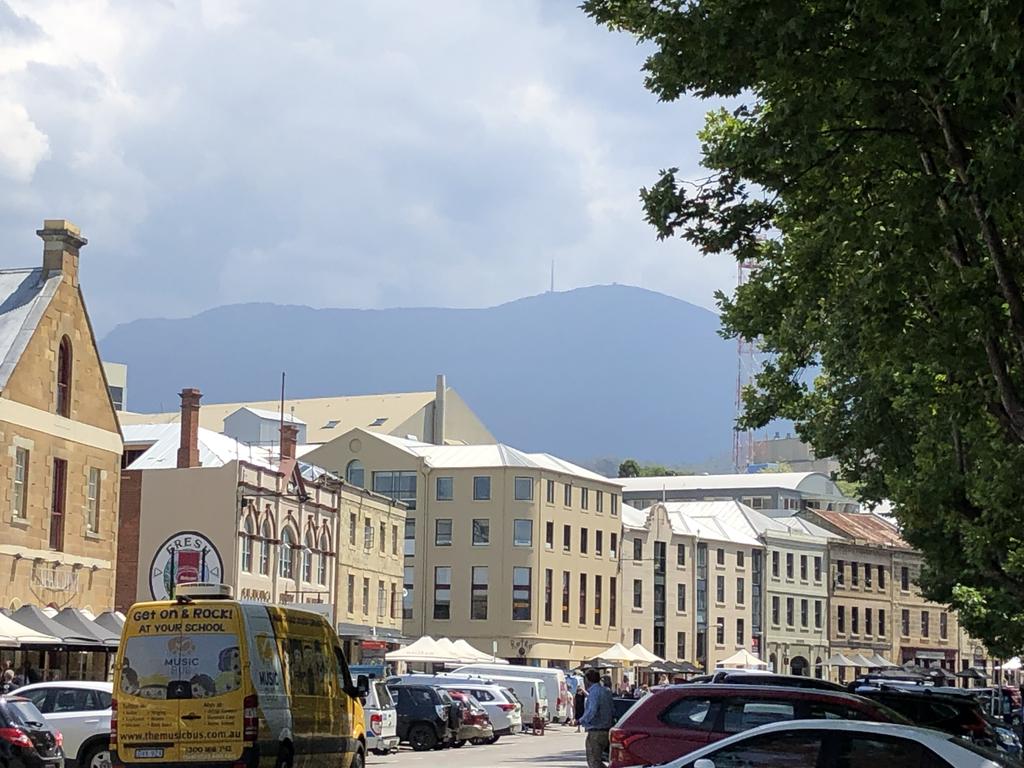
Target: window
x=854 y=620
x=366 y=597
x=583 y=541
x=720 y=589
x=681 y=555
x=613 y=546
x=905 y=578
x=681 y=598
x=522 y=533
x=789 y=565
x=325 y=548
x=740 y=715
x=773 y=749
x=410 y=536
x=804 y=613
x=478 y=598
x=599 y=500
x=775 y=564
x=817 y=569
x=20 y=496
x=943 y=626
x=597 y=600
x=868 y=626
x=265 y=536
x=638 y=550
x=482 y=488
x=524 y=489
x=803 y=567
x=720 y=556
x=565 y=596
x=817 y=614
x=615 y=504
x=481 y=532
x=383 y=543
x=584 y=498
x=442 y=592
x=840 y=572
x=841 y=620
x=638 y=636
x=740 y=590
x=394 y=600
x=367 y=533
x=549 y=535
x=307 y=558
x=522 y=594
x=740 y=635
x=92 y=501
x=638 y=593
x=445 y=488
x=867 y=575
x=394 y=539
x=567 y=495
x=382 y=597
x=690 y=713
x=881 y=622
x=58 y=499
x=720 y=630
x=408 y=586
x=855 y=750
x=354 y=474
x=550 y=492
x=247 y=537
x=64 y=378
x=549 y=577
x=352 y=521
x=740 y=559
x=905 y=623
x=613 y=597
x=598 y=543
x=924 y=623
x=790 y=620
x=117 y=397
x=775 y=610
x=854 y=573
x=680 y=645
x=351 y=593
x=881 y=577
x=443 y=532
x=400 y=486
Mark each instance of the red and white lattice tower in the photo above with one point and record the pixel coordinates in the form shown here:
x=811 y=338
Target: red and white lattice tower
x=746 y=354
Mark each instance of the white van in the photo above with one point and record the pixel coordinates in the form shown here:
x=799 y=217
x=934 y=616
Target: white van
x=529 y=690
x=556 y=691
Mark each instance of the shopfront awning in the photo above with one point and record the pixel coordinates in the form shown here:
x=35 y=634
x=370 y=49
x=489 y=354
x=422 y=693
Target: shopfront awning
x=76 y=622
x=33 y=618
x=111 y=621
x=15 y=635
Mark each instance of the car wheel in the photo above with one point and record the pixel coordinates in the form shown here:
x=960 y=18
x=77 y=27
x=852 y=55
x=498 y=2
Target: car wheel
x=422 y=738
x=491 y=740
x=459 y=743
x=284 y=757
x=98 y=756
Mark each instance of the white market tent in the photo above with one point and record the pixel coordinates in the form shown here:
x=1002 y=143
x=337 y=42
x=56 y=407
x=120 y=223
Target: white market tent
x=860 y=660
x=1012 y=665
x=838 y=660
x=644 y=655
x=15 y=635
x=473 y=656
x=743 y=659
x=618 y=652
x=881 y=662
x=423 y=650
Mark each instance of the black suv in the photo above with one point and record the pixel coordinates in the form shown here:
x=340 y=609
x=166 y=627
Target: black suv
x=427 y=716
x=732 y=677
x=26 y=741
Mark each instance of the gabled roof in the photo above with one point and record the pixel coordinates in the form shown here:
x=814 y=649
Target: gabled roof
x=215 y=449
x=633 y=518
x=262 y=413
x=786 y=480
x=730 y=521
x=863 y=526
x=24 y=297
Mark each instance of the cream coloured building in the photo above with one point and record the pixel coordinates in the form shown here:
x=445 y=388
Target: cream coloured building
x=517 y=553
x=61 y=445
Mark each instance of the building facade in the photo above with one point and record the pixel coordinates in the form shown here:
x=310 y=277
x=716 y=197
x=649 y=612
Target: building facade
x=516 y=553
x=60 y=463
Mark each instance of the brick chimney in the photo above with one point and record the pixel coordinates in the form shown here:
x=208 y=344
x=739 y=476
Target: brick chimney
x=289 y=436
x=188 y=448
x=61 y=243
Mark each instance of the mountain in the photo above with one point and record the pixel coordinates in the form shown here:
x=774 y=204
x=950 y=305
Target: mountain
x=602 y=371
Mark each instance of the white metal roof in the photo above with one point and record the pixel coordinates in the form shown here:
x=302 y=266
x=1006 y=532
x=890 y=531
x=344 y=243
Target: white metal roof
x=24 y=297
x=729 y=521
x=146 y=434
x=633 y=518
x=215 y=450
x=786 y=480
x=270 y=415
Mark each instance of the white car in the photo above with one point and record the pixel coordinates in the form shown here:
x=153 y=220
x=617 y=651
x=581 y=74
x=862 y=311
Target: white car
x=80 y=710
x=842 y=743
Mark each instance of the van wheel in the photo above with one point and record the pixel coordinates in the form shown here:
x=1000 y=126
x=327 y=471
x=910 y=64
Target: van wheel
x=284 y=757
x=97 y=757
x=422 y=738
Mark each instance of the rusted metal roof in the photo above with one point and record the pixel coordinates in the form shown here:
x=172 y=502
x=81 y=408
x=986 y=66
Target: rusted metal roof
x=864 y=526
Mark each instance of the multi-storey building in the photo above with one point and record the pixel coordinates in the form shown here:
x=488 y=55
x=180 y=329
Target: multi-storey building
x=926 y=634
x=60 y=463
x=198 y=505
x=517 y=553
x=692 y=581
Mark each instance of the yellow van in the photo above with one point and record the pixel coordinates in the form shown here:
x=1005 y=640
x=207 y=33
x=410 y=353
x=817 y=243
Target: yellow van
x=204 y=679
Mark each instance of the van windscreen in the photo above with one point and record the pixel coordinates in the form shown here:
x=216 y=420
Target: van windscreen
x=177 y=666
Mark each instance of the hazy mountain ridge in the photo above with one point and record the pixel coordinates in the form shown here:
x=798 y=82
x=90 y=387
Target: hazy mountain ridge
x=599 y=371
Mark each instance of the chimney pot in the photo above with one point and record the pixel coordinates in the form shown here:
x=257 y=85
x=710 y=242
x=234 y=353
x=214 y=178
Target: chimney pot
x=188 y=447
x=61 y=242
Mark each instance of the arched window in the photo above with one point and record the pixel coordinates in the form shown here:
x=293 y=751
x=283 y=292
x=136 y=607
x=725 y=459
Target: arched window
x=247 y=537
x=266 y=534
x=284 y=561
x=64 y=362
x=354 y=473
x=321 y=566
x=307 y=558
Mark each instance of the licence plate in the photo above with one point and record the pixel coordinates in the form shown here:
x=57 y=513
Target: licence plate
x=149 y=753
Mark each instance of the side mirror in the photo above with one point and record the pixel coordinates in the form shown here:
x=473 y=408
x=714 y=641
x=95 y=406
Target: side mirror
x=704 y=763
x=362 y=685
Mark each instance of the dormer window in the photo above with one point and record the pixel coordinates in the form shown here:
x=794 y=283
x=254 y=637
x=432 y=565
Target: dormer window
x=64 y=377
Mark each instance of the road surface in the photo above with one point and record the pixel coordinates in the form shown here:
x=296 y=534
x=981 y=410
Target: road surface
x=559 y=747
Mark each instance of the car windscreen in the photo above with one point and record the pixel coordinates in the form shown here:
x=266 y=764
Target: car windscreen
x=173 y=666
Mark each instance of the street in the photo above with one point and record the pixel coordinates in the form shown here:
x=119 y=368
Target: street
x=559 y=747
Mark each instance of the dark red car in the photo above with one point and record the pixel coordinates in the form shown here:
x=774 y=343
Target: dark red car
x=678 y=719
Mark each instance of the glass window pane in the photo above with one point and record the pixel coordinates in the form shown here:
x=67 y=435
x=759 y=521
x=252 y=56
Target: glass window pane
x=482 y=488
x=445 y=488
x=524 y=489
x=523 y=533
x=481 y=531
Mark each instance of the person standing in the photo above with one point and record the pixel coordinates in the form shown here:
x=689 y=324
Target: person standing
x=598 y=718
x=579 y=703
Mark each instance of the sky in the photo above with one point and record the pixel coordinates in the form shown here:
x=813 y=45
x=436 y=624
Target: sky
x=336 y=154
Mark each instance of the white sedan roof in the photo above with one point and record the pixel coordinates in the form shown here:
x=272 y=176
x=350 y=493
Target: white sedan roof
x=94 y=685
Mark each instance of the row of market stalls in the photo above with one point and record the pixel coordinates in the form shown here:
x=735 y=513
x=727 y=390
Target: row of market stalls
x=47 y=644
x=427 y=650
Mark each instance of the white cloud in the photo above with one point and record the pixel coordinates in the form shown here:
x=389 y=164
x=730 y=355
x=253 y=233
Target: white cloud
x=22 y=145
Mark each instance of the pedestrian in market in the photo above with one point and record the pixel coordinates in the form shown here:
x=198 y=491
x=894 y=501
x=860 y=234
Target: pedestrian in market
x=579 y=702
x=7 y=682
x=598 y=718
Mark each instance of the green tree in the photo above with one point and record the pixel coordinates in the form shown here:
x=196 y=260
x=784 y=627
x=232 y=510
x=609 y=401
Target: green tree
x=629 y=468
x=874 y=172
